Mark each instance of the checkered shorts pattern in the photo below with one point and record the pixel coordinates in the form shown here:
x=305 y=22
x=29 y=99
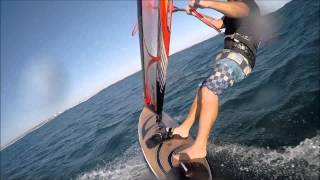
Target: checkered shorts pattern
x=220 y=79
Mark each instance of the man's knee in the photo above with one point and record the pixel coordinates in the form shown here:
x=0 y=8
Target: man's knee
x=207 y=95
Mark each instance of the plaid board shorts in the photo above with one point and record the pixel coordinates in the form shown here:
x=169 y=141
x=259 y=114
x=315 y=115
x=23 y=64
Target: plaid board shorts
x=225 y=73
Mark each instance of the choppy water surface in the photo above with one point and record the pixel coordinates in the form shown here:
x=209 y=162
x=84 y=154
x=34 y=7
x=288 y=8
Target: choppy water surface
x=268 y=126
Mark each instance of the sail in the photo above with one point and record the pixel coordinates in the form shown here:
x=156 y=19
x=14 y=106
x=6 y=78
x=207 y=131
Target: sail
x=154 y=19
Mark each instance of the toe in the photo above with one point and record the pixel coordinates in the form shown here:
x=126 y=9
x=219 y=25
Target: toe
x=175 y=156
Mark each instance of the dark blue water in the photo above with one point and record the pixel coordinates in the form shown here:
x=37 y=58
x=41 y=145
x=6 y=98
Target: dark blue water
x=268 y=126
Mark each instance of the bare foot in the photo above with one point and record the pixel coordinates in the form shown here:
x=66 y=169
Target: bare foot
x=181 y=131
x=194 y=152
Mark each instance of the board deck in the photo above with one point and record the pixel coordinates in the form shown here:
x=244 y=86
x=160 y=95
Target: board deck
x=159 y=157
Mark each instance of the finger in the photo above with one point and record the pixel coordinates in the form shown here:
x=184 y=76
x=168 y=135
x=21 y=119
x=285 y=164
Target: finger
x=191 y=3
x=187 y=9
x=190 y=6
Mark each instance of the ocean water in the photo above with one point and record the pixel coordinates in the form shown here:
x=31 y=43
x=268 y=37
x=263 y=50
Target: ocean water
x=268 y=126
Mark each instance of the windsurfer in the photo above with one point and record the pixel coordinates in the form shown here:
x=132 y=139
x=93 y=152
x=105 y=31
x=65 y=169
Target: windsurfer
x=232 y=65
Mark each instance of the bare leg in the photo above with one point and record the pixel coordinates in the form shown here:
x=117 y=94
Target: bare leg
x=208 y=115
x=184 y=128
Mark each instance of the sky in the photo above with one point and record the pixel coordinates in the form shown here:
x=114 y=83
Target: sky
x=55 y=54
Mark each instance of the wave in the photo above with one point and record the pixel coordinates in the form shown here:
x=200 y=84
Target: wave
x=235 y=161
x=129 y=166
x=229 y=161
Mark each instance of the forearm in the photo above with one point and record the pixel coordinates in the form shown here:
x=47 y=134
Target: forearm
x=230 y=9
x=216 y=23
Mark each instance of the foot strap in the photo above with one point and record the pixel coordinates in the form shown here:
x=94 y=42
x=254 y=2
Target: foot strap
x=162 y=135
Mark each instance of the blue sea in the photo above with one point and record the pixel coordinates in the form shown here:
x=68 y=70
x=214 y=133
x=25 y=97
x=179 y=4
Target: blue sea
x=268 y=126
